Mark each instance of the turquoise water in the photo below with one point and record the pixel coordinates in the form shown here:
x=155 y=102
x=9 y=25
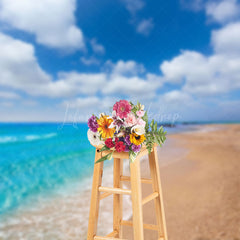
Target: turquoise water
x=35 y=159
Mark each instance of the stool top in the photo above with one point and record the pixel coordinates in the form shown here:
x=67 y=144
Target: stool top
x=124 y=155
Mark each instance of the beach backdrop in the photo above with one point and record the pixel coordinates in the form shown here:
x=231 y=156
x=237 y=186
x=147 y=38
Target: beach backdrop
x=63 y=60
x=46 y=172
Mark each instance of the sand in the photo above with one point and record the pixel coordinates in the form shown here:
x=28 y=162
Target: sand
x=200 y=175
x=201 y=186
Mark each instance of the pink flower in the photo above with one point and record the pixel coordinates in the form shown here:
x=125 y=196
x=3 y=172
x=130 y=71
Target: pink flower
x=141 y=122
x=130 y=120
x=140 y=113
x=122 y=108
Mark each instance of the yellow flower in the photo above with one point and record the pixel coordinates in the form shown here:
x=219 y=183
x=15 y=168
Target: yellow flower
x=103 y=126
x=137 y=139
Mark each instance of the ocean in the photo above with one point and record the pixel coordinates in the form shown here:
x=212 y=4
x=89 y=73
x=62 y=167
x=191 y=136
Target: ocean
x=36 y=159
x=45 y=180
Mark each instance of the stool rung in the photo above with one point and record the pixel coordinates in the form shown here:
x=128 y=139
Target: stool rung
x=107 y=238
x=115 y=190
x=150 y=197
x=112 y=234
x=146 y=226
x=143 y=180
x=104 y=195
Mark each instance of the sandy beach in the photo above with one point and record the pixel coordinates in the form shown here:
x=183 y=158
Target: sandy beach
x=201 y=188
x=200 y=175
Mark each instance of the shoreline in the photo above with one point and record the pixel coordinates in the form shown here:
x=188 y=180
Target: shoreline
x=191 y=167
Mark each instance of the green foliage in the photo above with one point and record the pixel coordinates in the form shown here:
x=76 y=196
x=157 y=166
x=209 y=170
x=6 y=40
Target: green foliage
x=107 y=157
x=154 y=135
x=132 y=156
x=104 y=148
x=149 y=141
x=135 y=109
x=145 y=118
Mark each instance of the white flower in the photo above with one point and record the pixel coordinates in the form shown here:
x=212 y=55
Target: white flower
x=141 y=107
x=138 y=129
x=114 y=114
x=101 y=115
x=94 y=138
x=141 y=122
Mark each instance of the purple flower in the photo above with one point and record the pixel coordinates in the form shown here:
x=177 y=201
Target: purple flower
x=136 y=148
x=127 y=140
x=92 y=123
x=126 y=148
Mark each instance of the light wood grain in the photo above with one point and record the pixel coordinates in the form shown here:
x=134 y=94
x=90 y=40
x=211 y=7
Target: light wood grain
x=117 y=198
x=115 y=190
x=136 y=199
x=158 y=201
x=123 y=155
x=135 y=192
x=94 y=206
x=112 y=234
x=107 y=238
x=104 y=195
x=146 y=226
x=143 y=180
x=150 y=197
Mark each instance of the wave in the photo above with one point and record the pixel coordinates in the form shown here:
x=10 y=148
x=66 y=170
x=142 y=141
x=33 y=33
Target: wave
x=36 y=137
x=11 y=139
x=8 y=139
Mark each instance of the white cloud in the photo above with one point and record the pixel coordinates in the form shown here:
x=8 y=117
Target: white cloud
x=90 y=61
x=227 y=39
x=208 y=75
x=176 y=96
x=132 y=86
x=19 y=68
x=190 y=62
x=81 y=108
x=51 y=21
x=133 y=5
x=223 y=11
x=97 y=48
x=145 y=26
x=203 y=75
x=9 y=95
x=127 y=68
x=73 y=83
x=82 y=103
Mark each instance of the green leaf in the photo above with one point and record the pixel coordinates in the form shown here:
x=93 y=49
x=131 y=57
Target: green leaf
x=104 y=148
x=151 y=124
x=132 y=156
x=155 y=127
x=107 y=157
x=160 y=130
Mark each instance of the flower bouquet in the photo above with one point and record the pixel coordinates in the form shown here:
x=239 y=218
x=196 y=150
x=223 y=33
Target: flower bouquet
x=126 y=130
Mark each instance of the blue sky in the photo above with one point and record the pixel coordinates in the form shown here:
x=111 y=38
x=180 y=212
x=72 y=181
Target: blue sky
x=66 y=59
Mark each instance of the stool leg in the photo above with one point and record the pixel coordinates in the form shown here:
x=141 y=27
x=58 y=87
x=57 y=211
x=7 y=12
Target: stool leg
x=160 y=215
x=117 y=198
x=136 y=199
x=94 y=207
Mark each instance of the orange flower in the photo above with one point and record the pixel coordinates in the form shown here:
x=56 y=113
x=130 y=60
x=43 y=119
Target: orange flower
x=103 y=127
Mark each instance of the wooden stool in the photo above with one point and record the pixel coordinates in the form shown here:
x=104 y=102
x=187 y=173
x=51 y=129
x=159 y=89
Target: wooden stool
x=99 y=192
